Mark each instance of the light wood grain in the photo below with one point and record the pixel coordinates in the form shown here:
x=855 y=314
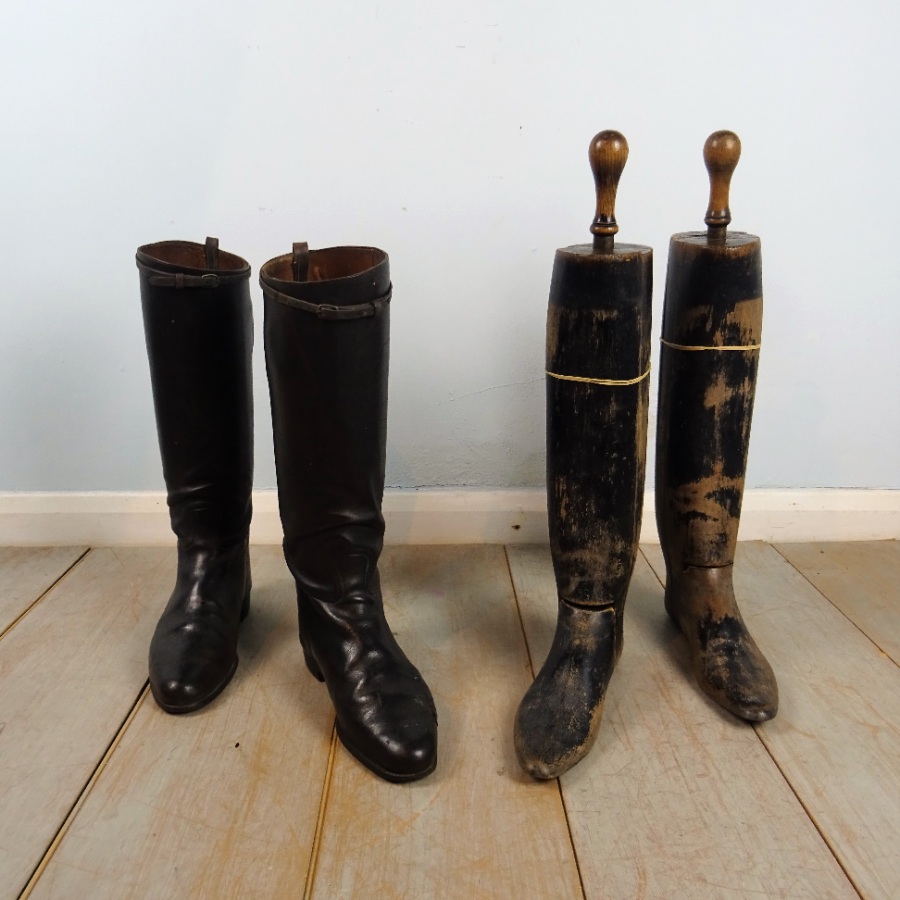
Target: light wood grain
x=837 y=734
x=476 y=828
x=69 y=673
x=26 y=573
x=676 y=800
x=862 y=579
x=220 y=803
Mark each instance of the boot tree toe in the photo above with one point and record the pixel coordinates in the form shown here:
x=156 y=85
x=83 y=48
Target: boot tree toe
x=728 y=665
x=732 y=670
x=559 y=717
x=552 y=733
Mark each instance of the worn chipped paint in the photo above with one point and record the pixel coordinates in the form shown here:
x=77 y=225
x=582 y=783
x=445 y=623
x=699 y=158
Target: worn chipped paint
x=598 y=326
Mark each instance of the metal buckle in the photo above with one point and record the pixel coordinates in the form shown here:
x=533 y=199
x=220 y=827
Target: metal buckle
x=210 y=280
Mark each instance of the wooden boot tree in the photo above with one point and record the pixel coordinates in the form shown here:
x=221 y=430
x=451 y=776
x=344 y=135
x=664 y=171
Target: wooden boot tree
x=711 y=333
x=598 y=360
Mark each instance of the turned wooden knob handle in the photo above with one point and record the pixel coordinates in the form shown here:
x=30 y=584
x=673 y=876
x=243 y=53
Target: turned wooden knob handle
x=608 y=154
x=721 y=153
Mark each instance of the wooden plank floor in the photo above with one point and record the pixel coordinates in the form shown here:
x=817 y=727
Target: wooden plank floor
x=102 y=795
x=27 y=574
x=700 y=811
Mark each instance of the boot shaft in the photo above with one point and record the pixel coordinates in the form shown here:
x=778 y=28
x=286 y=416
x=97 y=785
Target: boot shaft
x=199 y=333
x=712 y=328
x=598 y=340
x=327 y=335
x=598 y=363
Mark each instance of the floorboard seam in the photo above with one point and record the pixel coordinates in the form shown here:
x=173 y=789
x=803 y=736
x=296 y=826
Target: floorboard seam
x=320 y=818
x=41 y=596
x=825 y=596
x=512 y=583
x=809 y=814
x=650 y=564
x=771 y=756
x=83 y=795
x=562 y=800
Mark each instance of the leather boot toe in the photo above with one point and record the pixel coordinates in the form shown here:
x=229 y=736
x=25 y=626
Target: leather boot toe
x=393 y=736
x=385 y=713
x=190 y=666
x=190 y=669
x=193 y=652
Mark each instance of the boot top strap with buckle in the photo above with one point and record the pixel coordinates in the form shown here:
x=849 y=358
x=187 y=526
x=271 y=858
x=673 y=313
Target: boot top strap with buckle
x=185 y=264
x=334 y=283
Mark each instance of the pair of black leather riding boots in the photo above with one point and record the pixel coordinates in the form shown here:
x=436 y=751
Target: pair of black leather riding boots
x=326 y=347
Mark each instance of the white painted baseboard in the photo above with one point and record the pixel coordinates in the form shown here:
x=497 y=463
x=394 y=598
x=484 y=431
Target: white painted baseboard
x=439 y=517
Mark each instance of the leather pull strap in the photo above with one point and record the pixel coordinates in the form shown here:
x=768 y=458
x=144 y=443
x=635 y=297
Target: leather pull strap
x=212 y=253
x=300 y=260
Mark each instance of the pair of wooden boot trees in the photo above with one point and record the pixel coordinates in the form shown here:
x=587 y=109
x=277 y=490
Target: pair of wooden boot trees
x=598 y=363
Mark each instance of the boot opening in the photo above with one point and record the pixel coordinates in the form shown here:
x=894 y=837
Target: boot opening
x=187 y=255
x=329 y=264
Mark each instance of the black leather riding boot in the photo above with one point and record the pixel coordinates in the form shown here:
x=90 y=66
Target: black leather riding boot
x=712 y=329
x=326 y=339
x=598 y=362
x=199 y=331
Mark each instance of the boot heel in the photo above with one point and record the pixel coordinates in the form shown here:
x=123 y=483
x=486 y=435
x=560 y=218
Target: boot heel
x=312 y=665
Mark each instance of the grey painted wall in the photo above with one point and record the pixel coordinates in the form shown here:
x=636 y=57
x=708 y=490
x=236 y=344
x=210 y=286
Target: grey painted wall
x=455 y=137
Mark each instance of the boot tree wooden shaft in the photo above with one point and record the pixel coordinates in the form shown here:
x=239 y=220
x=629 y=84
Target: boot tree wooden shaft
x=598 y=329
x=712 y=327
x=711 y=336
x=598 y=358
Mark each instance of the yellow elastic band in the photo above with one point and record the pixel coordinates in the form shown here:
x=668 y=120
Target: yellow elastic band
x=684 y=347
x=608 y=381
